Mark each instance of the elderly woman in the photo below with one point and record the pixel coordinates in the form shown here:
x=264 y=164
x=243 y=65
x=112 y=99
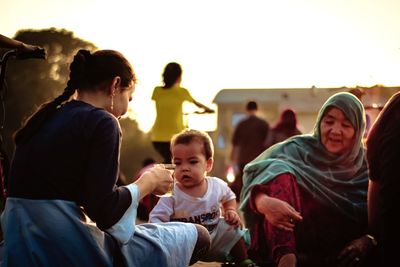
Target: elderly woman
x=305 y=199
x=384 y=193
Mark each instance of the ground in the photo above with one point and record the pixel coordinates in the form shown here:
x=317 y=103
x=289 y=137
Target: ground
x=206 y=264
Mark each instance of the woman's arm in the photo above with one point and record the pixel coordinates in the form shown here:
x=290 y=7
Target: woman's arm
x=15 y=44
x=156 y=180
x=103 y=201
x=357 y=250
x=278 y=212
x=200 y=105
x=373 y=204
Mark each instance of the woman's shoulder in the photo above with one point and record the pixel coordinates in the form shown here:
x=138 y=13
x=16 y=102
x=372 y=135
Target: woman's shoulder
x=92 y=116
x=90 y=110
x=182 y=88
x=179 y=89
x=158 y=88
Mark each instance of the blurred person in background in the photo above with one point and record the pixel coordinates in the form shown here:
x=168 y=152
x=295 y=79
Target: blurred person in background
x=169 y=99
x=248 y=141
x=286 y=127
x=383 y=154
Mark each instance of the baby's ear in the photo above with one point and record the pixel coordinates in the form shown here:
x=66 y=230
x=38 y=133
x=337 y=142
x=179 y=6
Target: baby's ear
x=210 y=163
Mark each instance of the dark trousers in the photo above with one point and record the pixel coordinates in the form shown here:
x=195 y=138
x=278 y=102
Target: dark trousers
x=236 y=186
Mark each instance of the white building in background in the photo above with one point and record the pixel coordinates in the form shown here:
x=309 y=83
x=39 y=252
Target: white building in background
x=271 y=102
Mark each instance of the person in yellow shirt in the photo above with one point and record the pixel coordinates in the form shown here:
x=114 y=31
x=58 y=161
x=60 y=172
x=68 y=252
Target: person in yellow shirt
x=169 y=119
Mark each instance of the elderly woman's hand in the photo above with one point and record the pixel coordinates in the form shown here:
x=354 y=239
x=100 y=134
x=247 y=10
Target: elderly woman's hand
x=279 y=213
x=356 y=251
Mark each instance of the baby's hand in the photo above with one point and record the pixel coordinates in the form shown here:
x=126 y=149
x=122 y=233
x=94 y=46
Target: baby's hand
x=232 y=217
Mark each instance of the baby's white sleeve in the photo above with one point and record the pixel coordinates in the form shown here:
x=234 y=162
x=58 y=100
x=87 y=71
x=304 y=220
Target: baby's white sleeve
x=162 y=211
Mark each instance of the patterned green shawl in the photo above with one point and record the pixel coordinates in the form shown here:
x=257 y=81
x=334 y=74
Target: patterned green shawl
x=339 y=181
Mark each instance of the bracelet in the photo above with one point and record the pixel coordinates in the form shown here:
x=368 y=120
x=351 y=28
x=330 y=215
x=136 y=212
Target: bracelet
x=372 y=239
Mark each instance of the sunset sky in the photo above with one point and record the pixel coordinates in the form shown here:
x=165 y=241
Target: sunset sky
x=229 y=43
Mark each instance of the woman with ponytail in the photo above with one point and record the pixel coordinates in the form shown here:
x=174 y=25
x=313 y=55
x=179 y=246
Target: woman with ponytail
x=64 y=208
x=168 y=100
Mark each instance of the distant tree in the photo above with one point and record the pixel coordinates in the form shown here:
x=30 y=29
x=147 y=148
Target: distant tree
x=136 y=146
x=32 y=82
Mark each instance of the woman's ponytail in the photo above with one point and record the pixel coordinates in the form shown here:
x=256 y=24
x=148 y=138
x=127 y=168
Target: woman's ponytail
x=78 y=68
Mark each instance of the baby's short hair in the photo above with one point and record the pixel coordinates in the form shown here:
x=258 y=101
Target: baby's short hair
x=189 y=135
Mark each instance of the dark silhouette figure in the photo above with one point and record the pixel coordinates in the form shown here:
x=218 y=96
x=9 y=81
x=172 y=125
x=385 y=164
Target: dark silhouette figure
x=248 y=142
x=284 y=128
x=383 y=147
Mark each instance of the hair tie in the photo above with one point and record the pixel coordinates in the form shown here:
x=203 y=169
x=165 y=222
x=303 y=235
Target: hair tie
x=86 y=53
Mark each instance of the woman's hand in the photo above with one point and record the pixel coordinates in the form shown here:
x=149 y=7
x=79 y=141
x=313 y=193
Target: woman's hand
x=279 y=213
x=164 y=179
x=355 y=252
x=156 y=180
x=209 y=110
x=27 y=48
x=288 y=260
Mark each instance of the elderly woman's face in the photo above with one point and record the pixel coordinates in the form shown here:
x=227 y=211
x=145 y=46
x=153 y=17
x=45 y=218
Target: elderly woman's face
x=337 y=132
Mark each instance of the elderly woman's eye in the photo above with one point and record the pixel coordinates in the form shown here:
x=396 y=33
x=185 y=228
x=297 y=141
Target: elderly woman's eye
x=328 y=121
x=347 y=125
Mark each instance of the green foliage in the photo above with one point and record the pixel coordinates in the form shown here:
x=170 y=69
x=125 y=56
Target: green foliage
x=32 y=82
x=136 y=147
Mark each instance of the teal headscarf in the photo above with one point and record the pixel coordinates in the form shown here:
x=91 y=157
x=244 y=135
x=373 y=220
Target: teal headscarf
x=339 y=181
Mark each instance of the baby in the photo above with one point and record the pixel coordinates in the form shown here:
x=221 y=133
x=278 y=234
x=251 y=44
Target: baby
x=198 y=198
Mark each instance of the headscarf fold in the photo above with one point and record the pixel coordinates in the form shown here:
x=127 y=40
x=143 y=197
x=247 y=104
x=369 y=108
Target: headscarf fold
x=339 y=181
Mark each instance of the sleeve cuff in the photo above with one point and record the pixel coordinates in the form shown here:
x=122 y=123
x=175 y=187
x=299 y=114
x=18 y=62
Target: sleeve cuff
x=125 y=227
x=259 y=188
